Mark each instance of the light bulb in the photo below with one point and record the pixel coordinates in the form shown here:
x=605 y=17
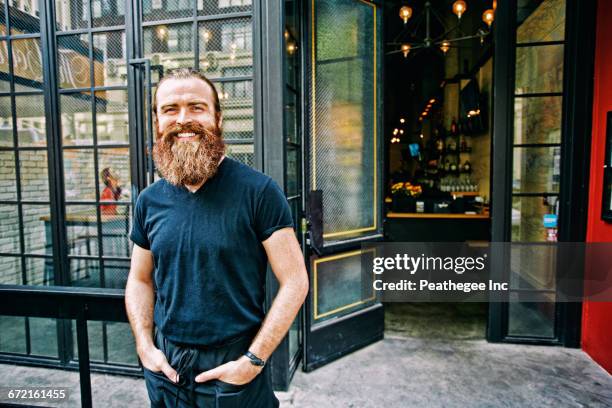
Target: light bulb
x=488 y=16
x=445 y=46
x=405 y=13
x=406 y=49
x=459 y=7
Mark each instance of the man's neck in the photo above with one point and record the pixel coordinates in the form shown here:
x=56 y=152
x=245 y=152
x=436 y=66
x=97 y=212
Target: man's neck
x=195 y=187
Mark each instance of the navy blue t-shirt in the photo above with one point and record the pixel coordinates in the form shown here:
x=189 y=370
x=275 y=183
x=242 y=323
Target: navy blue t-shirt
x=210 y=265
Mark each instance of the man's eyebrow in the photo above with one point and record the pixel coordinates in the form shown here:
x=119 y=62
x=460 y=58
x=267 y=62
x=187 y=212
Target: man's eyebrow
x=198 y=102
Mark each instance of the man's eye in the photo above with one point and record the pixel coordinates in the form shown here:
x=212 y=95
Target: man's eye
x=169 y=110
x=198 y=108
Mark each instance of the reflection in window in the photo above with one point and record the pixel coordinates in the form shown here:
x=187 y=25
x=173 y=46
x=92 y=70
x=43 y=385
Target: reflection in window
x=234 y=3
x=236 y=36
x=179 y=38
x=175 y=5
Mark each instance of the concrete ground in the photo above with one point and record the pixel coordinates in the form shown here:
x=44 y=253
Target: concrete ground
x=398 y=372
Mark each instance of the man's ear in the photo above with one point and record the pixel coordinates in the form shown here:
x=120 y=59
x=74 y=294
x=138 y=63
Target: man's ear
x=220 y=120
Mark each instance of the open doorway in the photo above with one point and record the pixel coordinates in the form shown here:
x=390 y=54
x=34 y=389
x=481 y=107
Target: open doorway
x=438 y=99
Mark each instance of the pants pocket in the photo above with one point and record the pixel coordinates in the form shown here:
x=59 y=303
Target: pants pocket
x=228 y=399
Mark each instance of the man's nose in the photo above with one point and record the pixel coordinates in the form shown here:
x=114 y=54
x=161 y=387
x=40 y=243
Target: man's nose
x=183 y=117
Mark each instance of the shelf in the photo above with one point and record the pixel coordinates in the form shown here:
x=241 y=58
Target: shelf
x=434 y=215
x=464 y=193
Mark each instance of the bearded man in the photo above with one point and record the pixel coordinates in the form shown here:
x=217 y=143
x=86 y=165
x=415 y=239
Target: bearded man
x=203 y=235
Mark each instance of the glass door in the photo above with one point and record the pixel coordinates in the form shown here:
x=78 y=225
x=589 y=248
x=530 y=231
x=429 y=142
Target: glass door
x=535 y=138
x=343 y=176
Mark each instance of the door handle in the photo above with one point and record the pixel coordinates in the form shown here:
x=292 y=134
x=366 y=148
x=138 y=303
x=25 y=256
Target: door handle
x=314 y=221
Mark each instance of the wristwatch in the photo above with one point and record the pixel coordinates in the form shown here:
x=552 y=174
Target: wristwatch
x=256 y=361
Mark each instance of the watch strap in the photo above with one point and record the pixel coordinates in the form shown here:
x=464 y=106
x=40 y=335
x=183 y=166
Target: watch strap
x=254 y=359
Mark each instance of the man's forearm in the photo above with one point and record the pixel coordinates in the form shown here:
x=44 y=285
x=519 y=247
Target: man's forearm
x=139 y=301
x=279 y=318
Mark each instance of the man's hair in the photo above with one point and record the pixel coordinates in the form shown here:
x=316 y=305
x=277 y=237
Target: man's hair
x=186 y=73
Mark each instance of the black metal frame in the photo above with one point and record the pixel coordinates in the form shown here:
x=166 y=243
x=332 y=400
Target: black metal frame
x=67 y=303
x=575 y=153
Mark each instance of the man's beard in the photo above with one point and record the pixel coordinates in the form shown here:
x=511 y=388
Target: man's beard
x=188 y=162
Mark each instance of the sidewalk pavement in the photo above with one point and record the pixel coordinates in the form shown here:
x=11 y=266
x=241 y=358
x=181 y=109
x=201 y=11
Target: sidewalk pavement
x=398 y=372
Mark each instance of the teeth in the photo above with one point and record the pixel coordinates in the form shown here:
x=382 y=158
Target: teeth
x=186 y=135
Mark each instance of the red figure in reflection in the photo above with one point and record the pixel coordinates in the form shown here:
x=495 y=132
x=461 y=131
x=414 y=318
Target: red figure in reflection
x=111 y=192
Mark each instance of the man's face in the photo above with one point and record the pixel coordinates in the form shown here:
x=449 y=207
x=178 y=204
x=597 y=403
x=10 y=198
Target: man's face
x=189 y=143
x=182 y=101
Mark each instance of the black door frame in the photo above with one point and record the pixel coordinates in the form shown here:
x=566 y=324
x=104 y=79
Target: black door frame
x=356 y=325
x=575 y=153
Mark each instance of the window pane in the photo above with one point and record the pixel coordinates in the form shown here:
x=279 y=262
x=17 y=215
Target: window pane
x=537 y=120
x=170 y=46
x=85 y=272
x=237 y=106
x=8 y=184
x=95 y=340
x=107 y=13
x=293 y=175
x=536 y=169
x=71 y=14
x=533 y=266
x=37 y=229
x=109 y=59
x=153 y=10
x=43 y=336
x=81 y=228
x=40 y=271
x=112 y=117
x=539 y=69
x=243 y=153
x=79 y=176
x=9 y=231
x=77 y=122
x=31 y=120
x=528 y=217
x=6 y=121
x=531 y=318
x=116 y=271
x=114 y=178
x=121 y=346
x=544 y=23
x=34 y=175
x=5 y=85
x=343 y=118
x=27 y=64
x=291 y=119
x=73 y=61
x=10 y=275
x=212 y=7
x=340 y=285
x=24 y=16
x=226 y=48
x=12 y=334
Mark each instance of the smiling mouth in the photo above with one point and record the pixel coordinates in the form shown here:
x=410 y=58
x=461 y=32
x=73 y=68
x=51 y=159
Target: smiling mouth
x=186 y=136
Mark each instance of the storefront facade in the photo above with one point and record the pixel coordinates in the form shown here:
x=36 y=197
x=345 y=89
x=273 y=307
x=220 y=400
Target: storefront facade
x=301 y=90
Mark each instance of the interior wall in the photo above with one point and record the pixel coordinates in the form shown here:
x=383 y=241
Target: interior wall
x=596 y=327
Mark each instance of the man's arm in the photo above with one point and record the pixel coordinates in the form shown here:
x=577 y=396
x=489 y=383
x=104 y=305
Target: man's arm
x=287 y=262
x=139 y=303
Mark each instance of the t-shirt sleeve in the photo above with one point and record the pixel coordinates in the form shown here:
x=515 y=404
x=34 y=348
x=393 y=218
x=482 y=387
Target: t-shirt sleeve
x=273 y=212
x=139 y=234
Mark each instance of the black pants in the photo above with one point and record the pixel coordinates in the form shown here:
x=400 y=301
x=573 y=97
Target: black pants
x=189 y=362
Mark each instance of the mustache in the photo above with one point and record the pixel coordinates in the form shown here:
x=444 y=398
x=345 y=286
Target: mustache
x=173 y=131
